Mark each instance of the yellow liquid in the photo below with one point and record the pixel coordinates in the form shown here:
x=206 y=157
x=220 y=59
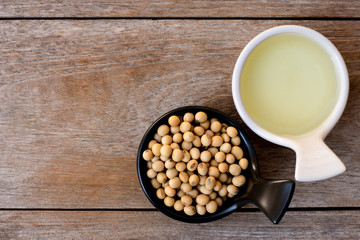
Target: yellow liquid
x=289 y=85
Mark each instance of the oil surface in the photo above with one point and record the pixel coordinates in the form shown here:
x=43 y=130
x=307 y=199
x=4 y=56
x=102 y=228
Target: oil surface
x=288 y=84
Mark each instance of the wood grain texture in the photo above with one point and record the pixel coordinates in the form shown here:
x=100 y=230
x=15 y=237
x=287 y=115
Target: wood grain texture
x=77 y=96
x=182 y=8
x=154 y=225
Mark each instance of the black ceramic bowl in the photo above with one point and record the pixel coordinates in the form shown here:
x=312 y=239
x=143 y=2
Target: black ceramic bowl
x=270 y=196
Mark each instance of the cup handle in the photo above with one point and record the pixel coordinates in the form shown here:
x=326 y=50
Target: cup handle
x=272 y=197
x=315 y=161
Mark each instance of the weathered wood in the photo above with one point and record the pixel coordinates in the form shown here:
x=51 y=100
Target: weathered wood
x=154 y=225
x=77 y=96
x=183 y=8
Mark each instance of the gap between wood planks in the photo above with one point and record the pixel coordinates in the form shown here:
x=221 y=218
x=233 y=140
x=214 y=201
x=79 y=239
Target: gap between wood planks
x=319 y=209
x=184 y=18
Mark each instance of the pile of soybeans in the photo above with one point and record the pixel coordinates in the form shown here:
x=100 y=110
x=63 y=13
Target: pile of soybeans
x=195 y=163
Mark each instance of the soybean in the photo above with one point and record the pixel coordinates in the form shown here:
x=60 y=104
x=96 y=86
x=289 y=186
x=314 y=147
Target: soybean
x=219 y=201
x=226 y=137
x=244 y=163
x=185 y=127
x=230 y=158
x=201 y=210
x=205 y=141
x=177 y=138
x=184 y=177
x=205 y=156
x=195 y=153
x=223 y=177
x=234 y=169
x=177 y=155
x=239 y=180
x=186 y=145
x=220 y=157
x=186 y=156
x=175 y=182
x=215 y=126
x=188 y=117
x=169 y=201
x=192 y=165
x=160 y=193
x=170 y=191
x=210 y=183
x=211 y=207
x=186 y=200
x=213 y=151
x=202 y=180
x=190 y=210
x=196 y=142
x=193 y=193
x=158 y=166
x=188 y=136
x=202 y=199
x=214 y=163
x=214 y=171
x=202 y=169
x=223 y=167
x=200 y=117
x=174 y=146
x=180 y=166
x=174 y=120
x=186 y=187
x=147 y=155
x=213 y=195
x=194 y=180
x=237 y=152
x=180 y=193
x=166 y=150
x=167 y=139
x=175 y=129
x=236 y=141
x=178 y=206
x=205 y=124
x=225 y=147
x=163 y=130
x=232 y=132
x=161 y=177
x=232 y=189
x=217 y=186
x=199 y=131
x=171 y=173
x=155 y=183
x=216 y=141
x=151 y=173
x=169 y=164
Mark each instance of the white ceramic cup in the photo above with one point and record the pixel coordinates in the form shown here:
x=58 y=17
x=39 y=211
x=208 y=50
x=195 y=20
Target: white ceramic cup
x=314 y=160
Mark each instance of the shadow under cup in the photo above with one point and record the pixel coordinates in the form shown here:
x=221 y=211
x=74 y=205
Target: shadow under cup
x=270 y=196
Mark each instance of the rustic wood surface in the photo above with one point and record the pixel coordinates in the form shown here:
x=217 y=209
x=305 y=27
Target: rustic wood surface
x=154 y=225
x=77 y=96
x=180 y=8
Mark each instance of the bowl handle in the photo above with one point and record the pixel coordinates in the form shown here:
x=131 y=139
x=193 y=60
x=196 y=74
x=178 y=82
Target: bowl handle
x=315 y=161
x=272 y=197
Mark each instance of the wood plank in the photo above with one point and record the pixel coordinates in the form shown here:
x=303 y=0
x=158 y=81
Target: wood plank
x=183 y=8
x=77 y=96
x=150 y=225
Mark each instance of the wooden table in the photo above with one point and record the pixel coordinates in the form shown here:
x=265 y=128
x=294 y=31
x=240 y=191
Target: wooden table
x=81 y=81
